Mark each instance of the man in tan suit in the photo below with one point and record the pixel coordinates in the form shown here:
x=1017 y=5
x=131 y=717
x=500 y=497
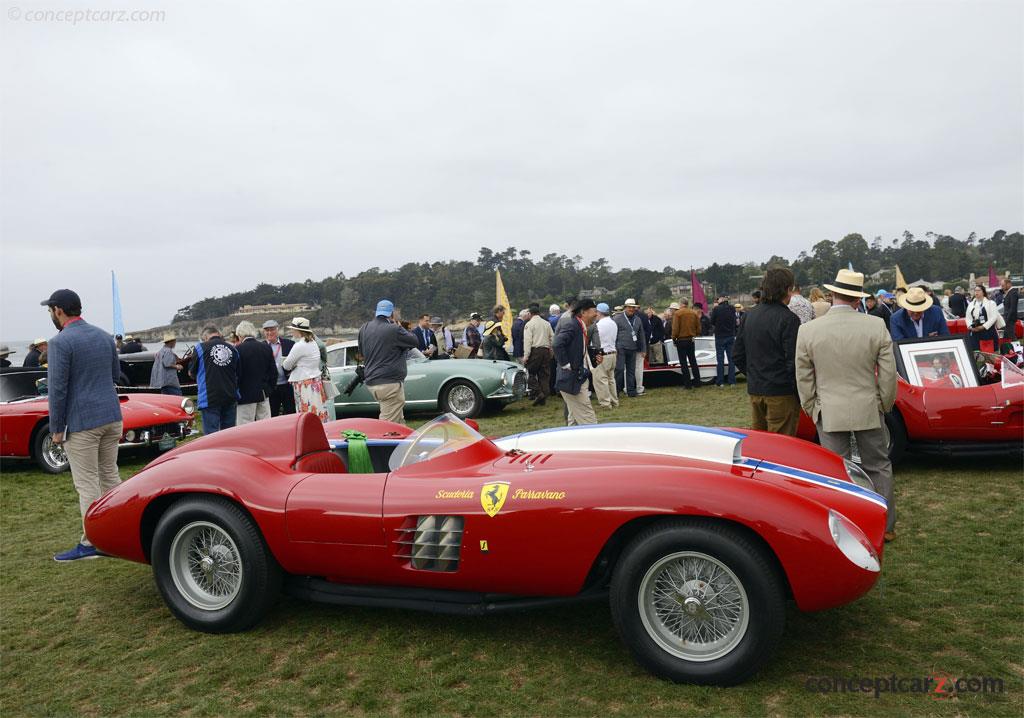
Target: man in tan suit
x=846 y=378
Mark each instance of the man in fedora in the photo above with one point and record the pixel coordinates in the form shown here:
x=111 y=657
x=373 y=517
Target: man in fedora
x=36 y=350
x=917 y=317
x=630 y=344
x=84 y=411
x=846 y=378
x=282 y=398
x=166 y=365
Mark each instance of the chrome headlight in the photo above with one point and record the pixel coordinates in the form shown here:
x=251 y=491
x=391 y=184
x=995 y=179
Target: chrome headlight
x=849 y=539
x=858 y=476
x=129 y=435
x=504 y=378
x=188 y=406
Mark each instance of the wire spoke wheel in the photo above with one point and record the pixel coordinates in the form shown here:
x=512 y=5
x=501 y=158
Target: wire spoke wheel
x=54 y=454
x=461 y=399
x=693 y=606
x=206 y=565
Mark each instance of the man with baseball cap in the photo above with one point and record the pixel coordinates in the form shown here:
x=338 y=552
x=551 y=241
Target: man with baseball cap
x=604 y=373
x=85 y=413
x=383 y=344
x=282 y=398
x=846 y=378
x=917 y=316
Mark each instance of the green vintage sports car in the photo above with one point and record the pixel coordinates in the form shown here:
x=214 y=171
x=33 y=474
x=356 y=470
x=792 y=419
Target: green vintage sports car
x=460 y=386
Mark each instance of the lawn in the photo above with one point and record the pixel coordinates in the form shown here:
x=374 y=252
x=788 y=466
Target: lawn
x=94 y=638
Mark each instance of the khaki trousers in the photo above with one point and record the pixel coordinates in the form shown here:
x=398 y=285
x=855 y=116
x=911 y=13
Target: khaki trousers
x=579 y=407
x=93 y=457
x=777 y=414
x=391 y=398
x=873 y=447
x=248 y=413
x=639 y=373
x=604 y=382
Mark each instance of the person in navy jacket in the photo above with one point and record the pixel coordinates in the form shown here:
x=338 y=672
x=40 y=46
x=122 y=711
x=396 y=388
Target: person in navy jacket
x=85 y=413
x=918 y=316
x=426 y=340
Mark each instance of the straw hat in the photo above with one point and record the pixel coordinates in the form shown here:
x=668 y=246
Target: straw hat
x=38 y=342
x=170 y=337
x=674 y=305
x=737 y=305
x=5 y=350
x=490 y=327
x=915 y=300
x=631 y=303
x=300 y=323
x=850 y=284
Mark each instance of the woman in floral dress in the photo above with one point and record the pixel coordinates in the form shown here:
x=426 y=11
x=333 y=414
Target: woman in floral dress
x=306 y=378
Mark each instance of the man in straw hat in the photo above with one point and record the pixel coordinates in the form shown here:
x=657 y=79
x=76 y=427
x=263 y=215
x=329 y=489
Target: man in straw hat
x=918 y=316
x=166 y=365
x=36 y=350
x=630 y=345
x=5 y=351
x=846 y=378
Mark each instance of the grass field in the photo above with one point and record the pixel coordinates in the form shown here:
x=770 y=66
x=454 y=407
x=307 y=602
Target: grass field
x=94 y=638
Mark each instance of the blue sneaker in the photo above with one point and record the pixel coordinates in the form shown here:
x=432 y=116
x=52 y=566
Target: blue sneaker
x=78 y=552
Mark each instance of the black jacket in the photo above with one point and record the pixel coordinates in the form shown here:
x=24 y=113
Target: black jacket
x=425 y=338
x=32 y=358
x=1010 y=306
x=723 y=319
x=958 y=305
x=882 y=312
x=657 y=330
x=570 y=342
x=134 y=347
x=765 y=350
x=214 y=366
x=257 y=371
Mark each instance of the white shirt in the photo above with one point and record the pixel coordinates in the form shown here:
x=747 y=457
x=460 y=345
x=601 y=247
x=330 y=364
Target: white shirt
x=303 y=361
x=974 y=312
x=607 y=331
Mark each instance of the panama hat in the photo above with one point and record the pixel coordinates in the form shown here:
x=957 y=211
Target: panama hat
x=631 y=303
x=38 y=342
x=170 y=337
x=848 y=283
x=737 y=305
x=915 y=300
x=5 y=350
x=300 y=323
x=490 y=327
x=674 y=305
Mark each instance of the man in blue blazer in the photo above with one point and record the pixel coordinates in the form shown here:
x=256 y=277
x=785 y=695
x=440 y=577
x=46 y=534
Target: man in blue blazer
x=917 y=317
x=85 y=413
x=575 y=359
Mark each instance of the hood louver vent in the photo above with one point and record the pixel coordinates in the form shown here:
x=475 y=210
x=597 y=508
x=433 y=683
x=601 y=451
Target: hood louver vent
x=431 y=543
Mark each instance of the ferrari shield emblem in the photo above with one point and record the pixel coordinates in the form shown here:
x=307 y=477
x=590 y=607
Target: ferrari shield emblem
x=492 y=496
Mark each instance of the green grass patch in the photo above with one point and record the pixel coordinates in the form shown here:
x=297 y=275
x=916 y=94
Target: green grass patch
x=94 y=638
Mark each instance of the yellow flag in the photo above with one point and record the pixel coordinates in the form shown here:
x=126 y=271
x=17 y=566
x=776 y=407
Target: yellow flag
x=502 y=299
x=901 y=283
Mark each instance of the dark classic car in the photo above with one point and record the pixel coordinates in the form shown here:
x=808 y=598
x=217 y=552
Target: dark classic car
x=136 y=369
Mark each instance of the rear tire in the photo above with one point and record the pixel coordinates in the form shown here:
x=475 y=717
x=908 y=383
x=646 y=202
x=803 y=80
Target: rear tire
x=51 y=458
x=698 y=602
x=897 y=436
x=212 y=566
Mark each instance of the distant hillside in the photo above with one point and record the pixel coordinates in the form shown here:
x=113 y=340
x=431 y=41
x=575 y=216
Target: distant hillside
x=453 y=289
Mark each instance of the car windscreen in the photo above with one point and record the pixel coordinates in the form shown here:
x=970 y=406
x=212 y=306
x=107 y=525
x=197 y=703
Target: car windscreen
x=443 y=435
x=20 y=385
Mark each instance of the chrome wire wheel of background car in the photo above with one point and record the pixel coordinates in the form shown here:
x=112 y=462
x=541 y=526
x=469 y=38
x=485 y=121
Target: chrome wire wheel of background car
x=212 y=566
x=693 y=606
x=206 y=566
x=461 y=398
x=50 y=457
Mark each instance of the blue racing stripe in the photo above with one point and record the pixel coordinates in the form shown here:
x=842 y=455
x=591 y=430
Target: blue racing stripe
x=819 y=479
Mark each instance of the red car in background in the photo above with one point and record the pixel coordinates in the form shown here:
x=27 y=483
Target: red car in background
x=149 y=420
x=698 y=536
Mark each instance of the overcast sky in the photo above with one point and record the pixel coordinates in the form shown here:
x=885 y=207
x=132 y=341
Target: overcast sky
x=231 y=144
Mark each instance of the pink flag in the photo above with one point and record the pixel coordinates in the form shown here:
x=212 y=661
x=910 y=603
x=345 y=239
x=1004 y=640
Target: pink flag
x=993 y=280
x=697 y=291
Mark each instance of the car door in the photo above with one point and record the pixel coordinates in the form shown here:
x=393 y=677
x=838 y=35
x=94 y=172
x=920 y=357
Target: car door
x=961 y=414
x=341 y=363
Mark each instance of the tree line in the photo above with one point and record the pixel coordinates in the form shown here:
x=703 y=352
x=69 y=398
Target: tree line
x=456 y=288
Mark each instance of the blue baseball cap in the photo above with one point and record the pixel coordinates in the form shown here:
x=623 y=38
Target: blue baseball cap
x=603 y=308
x=385 y=308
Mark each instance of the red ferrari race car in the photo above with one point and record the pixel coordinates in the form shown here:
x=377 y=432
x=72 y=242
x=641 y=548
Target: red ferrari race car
x=698 y=535
x=149 y=420
x=950 y=410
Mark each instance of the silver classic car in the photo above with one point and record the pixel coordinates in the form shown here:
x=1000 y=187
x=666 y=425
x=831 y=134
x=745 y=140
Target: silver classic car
x=460 y=386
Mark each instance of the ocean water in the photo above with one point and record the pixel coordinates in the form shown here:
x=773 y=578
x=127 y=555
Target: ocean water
x=19 y=347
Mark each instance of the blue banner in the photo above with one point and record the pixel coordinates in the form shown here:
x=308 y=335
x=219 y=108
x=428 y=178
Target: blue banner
x=118 y=321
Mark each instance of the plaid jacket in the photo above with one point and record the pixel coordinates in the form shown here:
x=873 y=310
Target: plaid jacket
x=81 y=372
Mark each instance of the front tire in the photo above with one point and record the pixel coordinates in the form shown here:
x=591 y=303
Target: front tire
x=462 y=398
x=50 y=457
x=212 y=567
x=698 y=602
x=897 y=436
